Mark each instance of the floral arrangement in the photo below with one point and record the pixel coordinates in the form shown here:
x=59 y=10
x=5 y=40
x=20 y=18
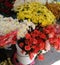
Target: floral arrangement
x=40 y=39
x=32 y=43
x=31 y=39
x=24 y=27
x=8 y=24
x=54 y=35
x=35 y=12
x=8 y=30
x=6 y=6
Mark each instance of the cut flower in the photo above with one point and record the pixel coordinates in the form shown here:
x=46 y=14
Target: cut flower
x=39 y=39
x=35 y=12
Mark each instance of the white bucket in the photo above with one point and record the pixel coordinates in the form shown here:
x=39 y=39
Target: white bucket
x=22 y=58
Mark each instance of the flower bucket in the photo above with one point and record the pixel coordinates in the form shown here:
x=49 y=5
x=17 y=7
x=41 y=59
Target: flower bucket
x=22 y=58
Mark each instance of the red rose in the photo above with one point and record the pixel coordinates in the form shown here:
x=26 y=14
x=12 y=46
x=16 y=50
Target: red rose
x=42 y=45
x=31 y=55
x=27 y=36
x=21 y=44
x=42 y=35
x=46 y=31
x=34 y=41
x=33 y=46
x=27 y=48
x=41 y=57
x=36 y=31
x=56 y=45
x=27 y=42
x=51 y=40
x=36 y=50
x=33 y=35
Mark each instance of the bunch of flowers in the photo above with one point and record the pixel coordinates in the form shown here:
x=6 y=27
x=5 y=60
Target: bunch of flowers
x=24 y=27
x=8 y=30
x=6 y=6
x=40 y=39
x=8 y=24
x=8 y=39
x=35 y=12
x=55 y=9
x=54 y=35
x=34 y=42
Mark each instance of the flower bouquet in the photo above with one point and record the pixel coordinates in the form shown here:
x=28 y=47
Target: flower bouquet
x=8 y=31
x=33 y=41
x=35 y=12
x=29 y=46
x=56 y=39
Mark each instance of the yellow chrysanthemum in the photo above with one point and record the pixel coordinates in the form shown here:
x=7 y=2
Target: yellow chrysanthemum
x=36 y=12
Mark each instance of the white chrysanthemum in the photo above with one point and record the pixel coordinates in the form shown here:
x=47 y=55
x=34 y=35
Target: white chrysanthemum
x=8 y=24
x=24 y=27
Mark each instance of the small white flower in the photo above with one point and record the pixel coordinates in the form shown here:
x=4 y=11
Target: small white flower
x=24 y=27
